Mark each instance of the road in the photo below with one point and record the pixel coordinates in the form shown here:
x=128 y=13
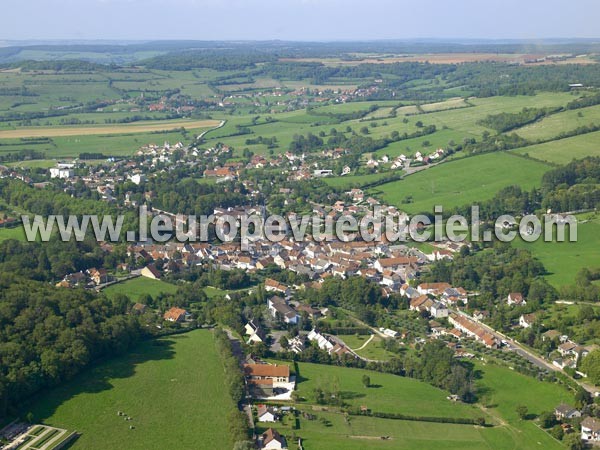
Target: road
x=527 y=354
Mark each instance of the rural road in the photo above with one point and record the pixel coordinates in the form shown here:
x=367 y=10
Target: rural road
x=526 y=353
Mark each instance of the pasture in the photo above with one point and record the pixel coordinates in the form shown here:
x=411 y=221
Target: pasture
x=501 y=391
x=563 y=260
x=171 y=388
x=564 y=151
x=461 y=182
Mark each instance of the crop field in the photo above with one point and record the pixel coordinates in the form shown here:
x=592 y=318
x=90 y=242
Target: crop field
x=173 y=376
x=136 y=287
x=145 y=127
x=461 y=182
x=564 y=151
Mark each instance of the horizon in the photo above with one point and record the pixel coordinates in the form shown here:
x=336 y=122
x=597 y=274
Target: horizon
x=296 y=20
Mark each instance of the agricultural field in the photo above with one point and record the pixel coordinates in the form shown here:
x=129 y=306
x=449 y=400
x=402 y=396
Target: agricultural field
x=563 y=151
x=136 y=287
x=461 y=182
x=172 y=376
x=145 y=127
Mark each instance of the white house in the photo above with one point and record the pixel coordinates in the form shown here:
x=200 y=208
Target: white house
x=272 y=440
x=266 y=414
x=438 y=310
x=590 y=429
x=321 y=340
x=526 y=320
x=279 y=308
x=63 y=173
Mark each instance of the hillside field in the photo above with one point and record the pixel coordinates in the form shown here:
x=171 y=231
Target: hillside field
x=461 y=182
x=177 y=376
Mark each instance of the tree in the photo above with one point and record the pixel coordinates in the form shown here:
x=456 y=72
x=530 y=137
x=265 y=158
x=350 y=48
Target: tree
x=591 y=366
x=522 y=411
x=573 y=442
x=547 y=419
x=366 y=381
x=283 y=341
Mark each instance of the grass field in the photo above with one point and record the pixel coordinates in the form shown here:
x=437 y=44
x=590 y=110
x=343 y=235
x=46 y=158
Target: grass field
x=12 y=233
x=564 y=151
x=170 y=387
x=461 y=182
x=564 y=259
x=551 y=126
x=501 y=391
x=373 y=350
x=390 y=393
x=144 y=127
x=136 y=287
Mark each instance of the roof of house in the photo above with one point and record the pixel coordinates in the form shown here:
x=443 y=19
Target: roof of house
x=266 y=370
x=272 y=435
x=591 y=424
x=175 y=314
x=563 y=408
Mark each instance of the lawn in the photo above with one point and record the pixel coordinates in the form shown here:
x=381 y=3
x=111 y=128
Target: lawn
x=564 y=150
x=461 y=182
x=139 y=286
x=171 y=387
x=373 y=350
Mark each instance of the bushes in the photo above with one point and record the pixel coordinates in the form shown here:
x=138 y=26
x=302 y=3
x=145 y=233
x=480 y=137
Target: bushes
x=395 y=416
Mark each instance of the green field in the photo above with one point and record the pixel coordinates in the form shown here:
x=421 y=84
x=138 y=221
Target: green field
x=500 y=389
x=171 y=388
x=551 y=126
x=461 y=182
x=12 y=233
x=373 y=350
x=390 y=393
x=564 y=151
x=139 y=286
x=564 y=259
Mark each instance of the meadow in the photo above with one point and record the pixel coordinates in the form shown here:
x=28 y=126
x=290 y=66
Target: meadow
x=17 y=233
x=563 y=260
x=461 y=182
x=563 y=151
x=500 y=390
x=551 y=126
x=136 y=287
x=177 y=376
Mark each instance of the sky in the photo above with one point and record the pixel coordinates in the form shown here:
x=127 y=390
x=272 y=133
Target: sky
x=302 y=20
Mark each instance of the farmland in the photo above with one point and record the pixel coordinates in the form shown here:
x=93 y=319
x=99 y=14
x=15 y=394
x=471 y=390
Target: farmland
x=564 y=150
x=146 y=127
x=564 y=259
x=461 y=182
x=177 y=375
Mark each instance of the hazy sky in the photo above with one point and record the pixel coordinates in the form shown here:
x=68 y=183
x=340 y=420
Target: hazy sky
x=297 y=19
